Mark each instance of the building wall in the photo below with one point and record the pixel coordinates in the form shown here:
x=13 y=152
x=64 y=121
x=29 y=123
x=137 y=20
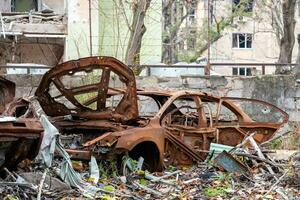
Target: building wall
x=265 y=48
x=5 y=5
x=31 y=41
x=78 y=39
x=114 y=33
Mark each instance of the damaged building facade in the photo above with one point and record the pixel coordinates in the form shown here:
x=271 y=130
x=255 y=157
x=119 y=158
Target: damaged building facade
x=45 y=33
x=32 y=32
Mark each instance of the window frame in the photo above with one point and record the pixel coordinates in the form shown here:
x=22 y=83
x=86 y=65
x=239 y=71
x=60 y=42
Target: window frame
x=246 y=70
x=236 y=38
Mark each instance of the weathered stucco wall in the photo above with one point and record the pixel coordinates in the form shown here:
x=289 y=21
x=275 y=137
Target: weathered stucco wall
x=278 y=90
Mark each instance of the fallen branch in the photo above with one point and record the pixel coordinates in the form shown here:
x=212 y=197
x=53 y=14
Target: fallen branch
x=149 y=190
x=257 y=158
x=41 y=184
x=260 y=154
x=277 y=182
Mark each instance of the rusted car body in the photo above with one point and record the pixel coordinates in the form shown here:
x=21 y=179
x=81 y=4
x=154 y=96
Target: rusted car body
x=7 y=93
x=20 y=138
x=102 y=115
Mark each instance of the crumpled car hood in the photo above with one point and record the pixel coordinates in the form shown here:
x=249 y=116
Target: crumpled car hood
x=83 y=88
x=7 y=93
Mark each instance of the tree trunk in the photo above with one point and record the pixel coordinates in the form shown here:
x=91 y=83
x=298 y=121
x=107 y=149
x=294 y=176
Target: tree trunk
x=172 y=20
x=137 y=31
x=167 y=46
x=288 y=39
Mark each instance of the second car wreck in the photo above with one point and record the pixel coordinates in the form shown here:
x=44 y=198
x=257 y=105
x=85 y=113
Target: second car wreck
x=20 y=135
x=100 y=118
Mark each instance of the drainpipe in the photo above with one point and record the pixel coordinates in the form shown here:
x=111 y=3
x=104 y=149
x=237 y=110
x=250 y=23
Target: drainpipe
x=90 y=24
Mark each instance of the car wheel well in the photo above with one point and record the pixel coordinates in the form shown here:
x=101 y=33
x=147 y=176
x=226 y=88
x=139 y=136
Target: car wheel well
x=150 y=152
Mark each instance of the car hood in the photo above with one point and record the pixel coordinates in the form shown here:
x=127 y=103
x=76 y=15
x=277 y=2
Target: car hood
x=83 y=88
x=7 y=93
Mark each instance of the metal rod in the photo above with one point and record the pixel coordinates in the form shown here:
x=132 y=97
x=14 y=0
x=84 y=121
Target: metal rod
x=90 y=26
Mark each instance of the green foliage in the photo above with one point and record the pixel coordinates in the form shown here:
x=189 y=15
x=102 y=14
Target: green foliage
x=187 y=56
x=143 y=182
x=289 y=142
x=109 y=188
x=223 y=177
x=108 y=168
x=216 y=191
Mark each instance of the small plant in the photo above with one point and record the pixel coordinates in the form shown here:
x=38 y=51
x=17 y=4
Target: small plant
x=216 y=191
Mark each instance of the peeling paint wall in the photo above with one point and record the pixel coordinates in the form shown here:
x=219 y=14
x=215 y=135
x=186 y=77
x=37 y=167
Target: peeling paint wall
x=5 y=5
x=45 y=51
x=281 y=91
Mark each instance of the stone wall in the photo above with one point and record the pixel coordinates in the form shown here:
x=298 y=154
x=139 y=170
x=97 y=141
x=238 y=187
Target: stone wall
x=281 y=91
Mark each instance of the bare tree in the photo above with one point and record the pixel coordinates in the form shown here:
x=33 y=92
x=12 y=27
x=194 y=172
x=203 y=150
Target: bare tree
x=137 y=30
x=282 y=15
x=287 y=40
x=172 y=26
x=174 y=13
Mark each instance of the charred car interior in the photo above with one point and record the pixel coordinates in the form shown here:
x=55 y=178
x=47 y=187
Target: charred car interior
x=106 y=116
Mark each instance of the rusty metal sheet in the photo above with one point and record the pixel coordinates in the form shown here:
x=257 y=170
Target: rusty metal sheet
x=20 y=108
x=7 y=93
x=227 y=162
x=19 y=140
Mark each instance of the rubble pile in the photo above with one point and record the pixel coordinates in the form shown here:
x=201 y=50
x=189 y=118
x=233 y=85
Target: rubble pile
x=32 y=17
x=207 y=180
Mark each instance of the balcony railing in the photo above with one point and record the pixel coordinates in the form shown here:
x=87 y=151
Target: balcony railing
x=32 y=68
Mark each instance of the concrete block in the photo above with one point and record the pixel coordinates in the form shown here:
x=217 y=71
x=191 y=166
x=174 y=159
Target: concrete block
x=235 y=93
x=289 y=103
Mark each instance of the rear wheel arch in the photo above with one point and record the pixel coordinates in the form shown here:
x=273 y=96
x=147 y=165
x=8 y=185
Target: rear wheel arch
x=150 y=152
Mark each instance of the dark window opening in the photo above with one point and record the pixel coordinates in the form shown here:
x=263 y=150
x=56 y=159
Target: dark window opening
x=249 y=73
x=235 y=71
x=242 y=71
x=24 y=5
x=242 y=5
x=242 y=40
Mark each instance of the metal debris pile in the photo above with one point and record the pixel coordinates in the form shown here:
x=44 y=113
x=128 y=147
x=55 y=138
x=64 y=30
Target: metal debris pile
x=229 y=174
x=88 y=140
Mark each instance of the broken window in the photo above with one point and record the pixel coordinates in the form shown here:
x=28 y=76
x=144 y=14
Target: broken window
x=242 y=6
x=226 y=115
x=148 y=107
x=24 y=5
x=242 y=40
x=242 y=71
x=183 y=112
x=210 y=110
x=259 y=111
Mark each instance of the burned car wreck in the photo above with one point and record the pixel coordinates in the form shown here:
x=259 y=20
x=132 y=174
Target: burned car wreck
x=96 y=106
x=20 y=132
